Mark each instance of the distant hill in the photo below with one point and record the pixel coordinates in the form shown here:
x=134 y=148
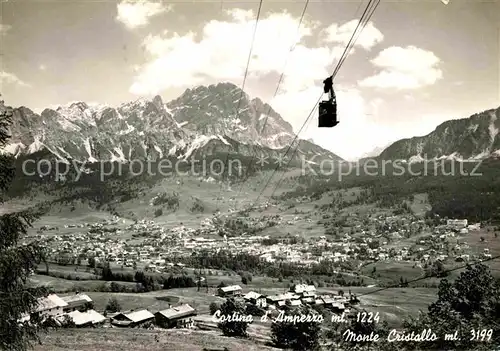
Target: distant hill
x=475 y=137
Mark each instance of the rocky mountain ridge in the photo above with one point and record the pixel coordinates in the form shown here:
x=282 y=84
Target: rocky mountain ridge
x=472 y=138
x=203 y=120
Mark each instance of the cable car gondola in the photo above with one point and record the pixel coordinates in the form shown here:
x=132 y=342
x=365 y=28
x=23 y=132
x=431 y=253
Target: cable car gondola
x=328 y=108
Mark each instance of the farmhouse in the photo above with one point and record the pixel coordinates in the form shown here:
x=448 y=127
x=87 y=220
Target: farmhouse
x=132 y=319
x=85 y=319
x=281 y=299
x=76 y=302
x=333 y=304
x=176 y=317
x=233 y=290
x=275 y=299
x=52 y=306
x=255 y=298
x=304 y=289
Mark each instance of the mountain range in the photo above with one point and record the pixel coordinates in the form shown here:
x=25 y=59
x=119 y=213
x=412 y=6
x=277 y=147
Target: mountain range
x=472 y=138
x=203 y=121
x=214 y=119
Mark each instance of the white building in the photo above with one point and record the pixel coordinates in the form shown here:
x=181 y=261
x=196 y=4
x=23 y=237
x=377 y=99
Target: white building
x=232 y=290
x=87 y=318
x=457 y=223
x=52 y=305
x=304 y=288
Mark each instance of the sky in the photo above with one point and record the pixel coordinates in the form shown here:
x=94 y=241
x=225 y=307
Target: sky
x=415 y=65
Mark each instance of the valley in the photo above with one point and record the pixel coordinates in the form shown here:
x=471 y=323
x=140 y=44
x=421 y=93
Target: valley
x=170 y=179
x=339 y=240
x=374 y=242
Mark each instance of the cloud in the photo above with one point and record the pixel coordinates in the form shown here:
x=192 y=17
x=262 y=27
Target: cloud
x=134 y=14
x=369 y=37
x=221 y=54
x=9 y=78
x=376 y=105
x=42 y=67
x=4 y=28
x=404 y=68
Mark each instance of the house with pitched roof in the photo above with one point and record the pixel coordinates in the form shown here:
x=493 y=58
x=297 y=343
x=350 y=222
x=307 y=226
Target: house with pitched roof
x=256 y=299
x=176 y=317
x=84 y=319
x=76 y=302
x=132 y=319
x=232 y=290
x=51 y=305
x=304 y=289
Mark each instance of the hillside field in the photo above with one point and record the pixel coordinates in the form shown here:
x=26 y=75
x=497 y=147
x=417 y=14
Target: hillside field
x=115 y=339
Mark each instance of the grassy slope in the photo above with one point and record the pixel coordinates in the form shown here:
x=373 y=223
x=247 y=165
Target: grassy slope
x=111 y=339
x=392 y=304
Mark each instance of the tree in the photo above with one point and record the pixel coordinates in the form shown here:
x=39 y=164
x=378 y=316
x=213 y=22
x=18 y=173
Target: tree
x=302 y=335
x=91 y=262
x=139 y=276
x=213 y=307
x=437 y=270
x=231 y=309
x=16 y=261
x=106 y=273
x=114 y=287
x=158 y=212
x=199 y=280
x=471 y=302
x=254 y=310
x=113 y=305
x=147 y=281
x=87 y=306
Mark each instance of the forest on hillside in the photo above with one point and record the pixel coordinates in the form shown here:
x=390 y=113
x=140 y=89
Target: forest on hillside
x=475 y=196
x=467 y=190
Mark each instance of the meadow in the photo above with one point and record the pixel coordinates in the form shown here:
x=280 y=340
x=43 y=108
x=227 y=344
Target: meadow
x=114 y=339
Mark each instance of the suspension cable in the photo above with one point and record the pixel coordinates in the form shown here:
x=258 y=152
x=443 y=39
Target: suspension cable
x=242 y=91
x=365 y=18
x=292 y=47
